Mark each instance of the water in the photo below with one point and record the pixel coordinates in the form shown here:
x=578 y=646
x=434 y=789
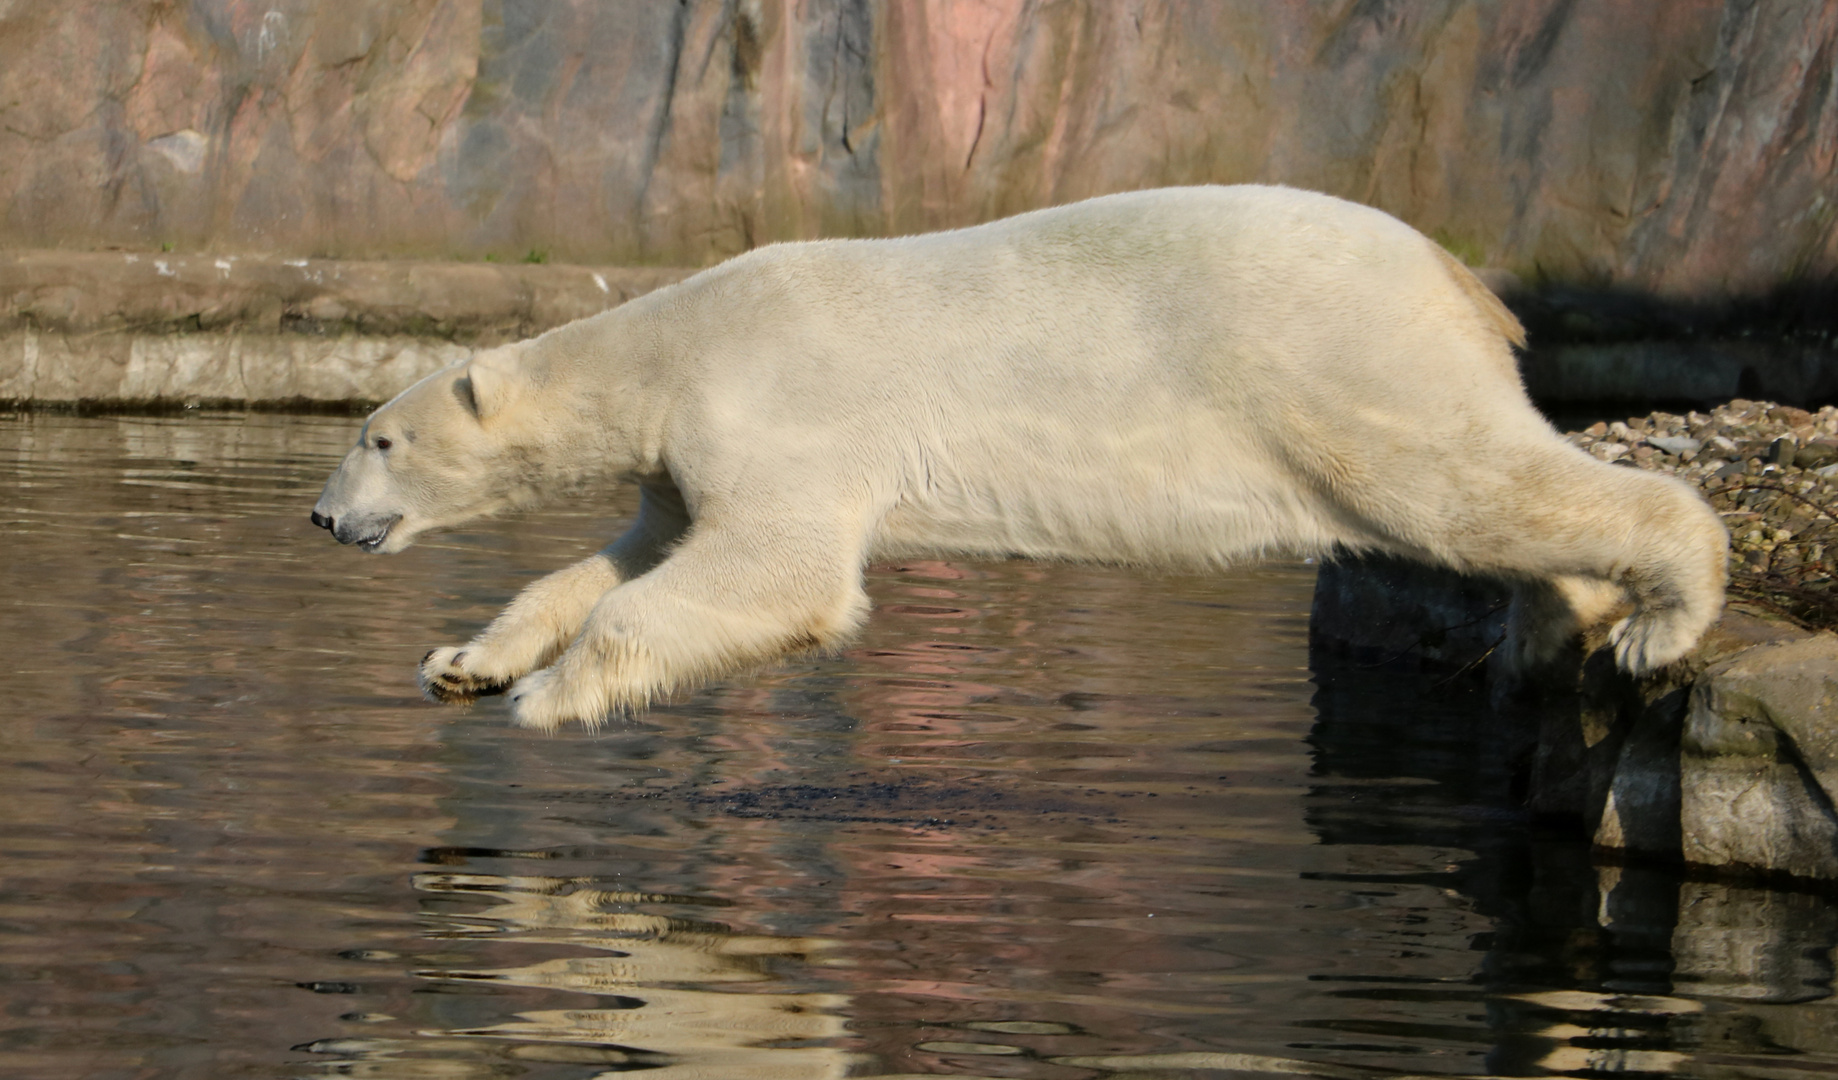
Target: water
x=1047 y=822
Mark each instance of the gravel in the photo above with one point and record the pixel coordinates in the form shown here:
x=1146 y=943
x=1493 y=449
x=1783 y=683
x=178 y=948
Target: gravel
x=1771 y=471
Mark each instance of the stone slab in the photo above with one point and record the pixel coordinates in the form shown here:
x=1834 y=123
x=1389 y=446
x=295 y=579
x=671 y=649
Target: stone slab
x=122 y=329
x=120 y=368
x=78 y=293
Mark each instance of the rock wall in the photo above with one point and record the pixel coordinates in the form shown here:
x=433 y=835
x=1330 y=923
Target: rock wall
x=1686 y=148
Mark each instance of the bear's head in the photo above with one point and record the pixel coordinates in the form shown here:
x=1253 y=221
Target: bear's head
x=458 y=445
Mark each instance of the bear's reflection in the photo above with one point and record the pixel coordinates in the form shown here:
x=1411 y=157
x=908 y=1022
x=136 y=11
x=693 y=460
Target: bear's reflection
x=636 y=1011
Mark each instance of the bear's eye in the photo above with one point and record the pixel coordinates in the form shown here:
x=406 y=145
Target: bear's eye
x=382 y=443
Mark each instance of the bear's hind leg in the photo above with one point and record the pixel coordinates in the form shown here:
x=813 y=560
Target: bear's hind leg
x=1668 y=619
x=1581 y=536
x=1674 y=568
x=540 y=622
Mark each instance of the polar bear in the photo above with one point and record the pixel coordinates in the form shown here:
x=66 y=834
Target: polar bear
x=1187 y=376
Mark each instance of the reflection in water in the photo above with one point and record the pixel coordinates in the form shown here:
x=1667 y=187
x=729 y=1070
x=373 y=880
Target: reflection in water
x=1591 y=969
x=1050 y=822
x=669 y=989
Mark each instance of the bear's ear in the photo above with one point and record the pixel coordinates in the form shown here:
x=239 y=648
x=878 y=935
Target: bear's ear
x=493 y=379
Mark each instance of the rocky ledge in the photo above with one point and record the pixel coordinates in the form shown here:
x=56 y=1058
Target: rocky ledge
x=1729 y=759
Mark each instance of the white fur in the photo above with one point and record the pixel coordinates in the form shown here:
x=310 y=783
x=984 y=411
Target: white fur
x=1188 y=376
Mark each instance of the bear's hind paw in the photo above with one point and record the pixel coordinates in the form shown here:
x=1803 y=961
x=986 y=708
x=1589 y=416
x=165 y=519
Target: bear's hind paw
x=1649 y=640
x=446 y=682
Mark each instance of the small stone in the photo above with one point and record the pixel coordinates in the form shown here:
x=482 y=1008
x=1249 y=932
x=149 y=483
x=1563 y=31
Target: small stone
x=1675 y=444
x=1781 y=452
x=1817 y=454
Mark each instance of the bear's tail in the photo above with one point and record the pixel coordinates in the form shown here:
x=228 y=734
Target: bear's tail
x=1502 y=320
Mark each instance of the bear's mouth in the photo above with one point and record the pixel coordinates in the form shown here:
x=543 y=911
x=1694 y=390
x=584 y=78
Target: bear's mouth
x=375 y=540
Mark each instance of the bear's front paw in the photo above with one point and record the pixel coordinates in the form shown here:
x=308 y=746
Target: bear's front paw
x=455 y=677
x=544 y=700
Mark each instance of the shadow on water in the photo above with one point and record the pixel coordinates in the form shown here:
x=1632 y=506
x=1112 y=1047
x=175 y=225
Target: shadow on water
x=1048 y=822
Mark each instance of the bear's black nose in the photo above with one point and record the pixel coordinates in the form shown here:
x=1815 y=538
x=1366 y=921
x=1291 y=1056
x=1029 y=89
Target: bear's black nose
x=321 y=521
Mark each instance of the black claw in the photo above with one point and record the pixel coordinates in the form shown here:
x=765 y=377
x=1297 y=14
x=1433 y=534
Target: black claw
x=429 y=656
x=448 y=695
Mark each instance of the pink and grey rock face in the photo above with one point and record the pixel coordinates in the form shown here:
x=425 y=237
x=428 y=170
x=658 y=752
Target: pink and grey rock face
x=1687 y=148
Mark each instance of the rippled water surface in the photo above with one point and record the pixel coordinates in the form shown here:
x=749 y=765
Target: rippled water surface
x=1049 y=822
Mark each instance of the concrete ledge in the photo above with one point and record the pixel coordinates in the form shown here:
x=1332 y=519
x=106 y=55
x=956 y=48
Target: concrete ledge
x=110 y=327
x=472 y=303
x=119 y=369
